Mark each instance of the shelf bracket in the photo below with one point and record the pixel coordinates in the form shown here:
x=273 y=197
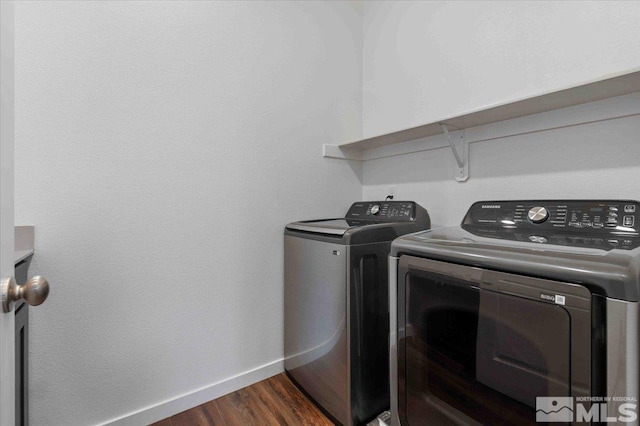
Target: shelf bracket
x=462 y=159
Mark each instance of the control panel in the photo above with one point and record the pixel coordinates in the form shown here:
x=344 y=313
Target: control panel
x=606 y=223
x=396 y=211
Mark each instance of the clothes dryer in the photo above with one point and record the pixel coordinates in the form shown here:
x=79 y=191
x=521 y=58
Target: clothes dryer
x=527 y=312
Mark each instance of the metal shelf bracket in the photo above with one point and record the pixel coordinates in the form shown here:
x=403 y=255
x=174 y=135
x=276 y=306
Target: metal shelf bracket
x=461 y=171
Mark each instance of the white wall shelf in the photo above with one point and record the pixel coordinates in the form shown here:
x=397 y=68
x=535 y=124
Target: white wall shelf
x=590 y=92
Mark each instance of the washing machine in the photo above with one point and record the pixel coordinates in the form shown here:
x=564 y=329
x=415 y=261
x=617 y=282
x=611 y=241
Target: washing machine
x=526 y=313
x=336 y=306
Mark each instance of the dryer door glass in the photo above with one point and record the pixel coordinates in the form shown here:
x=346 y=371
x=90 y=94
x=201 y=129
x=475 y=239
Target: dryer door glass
x=468 y=355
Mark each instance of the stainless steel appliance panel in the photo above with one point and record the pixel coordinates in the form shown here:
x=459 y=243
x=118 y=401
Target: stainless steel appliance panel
x=316 y=336
x=623 y=377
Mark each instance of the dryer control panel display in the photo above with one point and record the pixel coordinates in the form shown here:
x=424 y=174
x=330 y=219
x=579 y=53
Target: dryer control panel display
x=605 y=216
x=588 y=223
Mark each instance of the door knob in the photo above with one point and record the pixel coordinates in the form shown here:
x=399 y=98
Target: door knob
x=34 y=292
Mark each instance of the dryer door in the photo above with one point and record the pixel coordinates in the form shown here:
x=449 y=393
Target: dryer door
x=479 y=347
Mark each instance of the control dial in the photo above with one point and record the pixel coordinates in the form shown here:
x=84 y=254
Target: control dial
x=375 y=209
x=538 y=214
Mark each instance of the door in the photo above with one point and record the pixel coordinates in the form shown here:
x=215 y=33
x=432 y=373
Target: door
x=480 y=347
x=7 y=360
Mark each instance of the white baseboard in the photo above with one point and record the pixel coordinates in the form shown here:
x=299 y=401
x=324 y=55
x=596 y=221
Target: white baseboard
x=168 y=408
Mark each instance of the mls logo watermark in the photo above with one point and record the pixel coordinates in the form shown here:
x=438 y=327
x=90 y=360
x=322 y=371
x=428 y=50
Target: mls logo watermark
x=585 y=409
x=554 y=409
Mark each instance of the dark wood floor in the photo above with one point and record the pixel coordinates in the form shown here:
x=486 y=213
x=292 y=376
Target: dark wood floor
x=275 y=401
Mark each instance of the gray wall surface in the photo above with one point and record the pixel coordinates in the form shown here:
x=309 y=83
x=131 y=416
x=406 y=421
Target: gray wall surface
x=161 y=147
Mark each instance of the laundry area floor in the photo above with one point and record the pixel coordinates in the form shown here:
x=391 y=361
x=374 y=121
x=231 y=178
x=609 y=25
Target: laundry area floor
x=274 y=401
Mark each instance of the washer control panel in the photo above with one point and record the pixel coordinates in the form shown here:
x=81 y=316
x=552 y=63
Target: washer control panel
x=397 y=211
x=601 y=216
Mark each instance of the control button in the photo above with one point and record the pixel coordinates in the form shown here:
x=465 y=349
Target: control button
x=630 y=208
x=613 y=243
x=598 y=225
x=613 y=209
x=586 y=224
x=538 y=214
x=627 y=243
x=375 y=209
x=612 y=220
x=576 y=224
x=537 y=239
x=628 y=221
x=613 y=214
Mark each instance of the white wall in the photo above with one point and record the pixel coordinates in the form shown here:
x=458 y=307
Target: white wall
x=160 y=149
x=426 y=61
x=584 y=152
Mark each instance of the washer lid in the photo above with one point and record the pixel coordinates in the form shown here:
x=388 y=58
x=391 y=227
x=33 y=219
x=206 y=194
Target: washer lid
x=329 y=226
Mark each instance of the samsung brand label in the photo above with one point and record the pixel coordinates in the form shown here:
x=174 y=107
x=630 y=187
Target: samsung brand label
x=490 y=206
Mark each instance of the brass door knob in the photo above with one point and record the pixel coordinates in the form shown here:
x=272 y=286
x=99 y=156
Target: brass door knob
x=34 y=292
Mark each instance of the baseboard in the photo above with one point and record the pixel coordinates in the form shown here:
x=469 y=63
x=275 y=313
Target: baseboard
x=184 y=402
